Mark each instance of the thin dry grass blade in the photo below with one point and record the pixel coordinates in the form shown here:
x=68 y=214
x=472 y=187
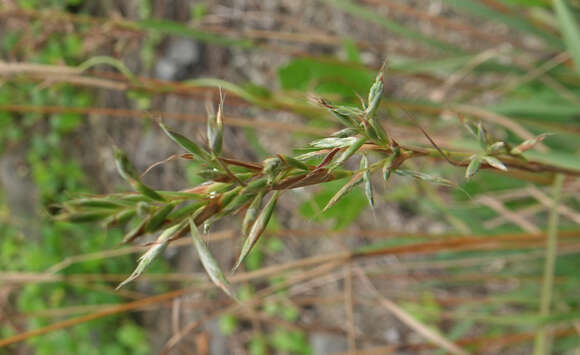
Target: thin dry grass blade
x=409 y=320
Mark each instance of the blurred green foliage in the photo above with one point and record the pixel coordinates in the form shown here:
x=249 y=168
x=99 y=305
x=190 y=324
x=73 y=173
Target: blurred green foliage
x=55 y=174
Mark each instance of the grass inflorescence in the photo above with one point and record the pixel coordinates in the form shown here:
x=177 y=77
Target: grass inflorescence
x=233 y=186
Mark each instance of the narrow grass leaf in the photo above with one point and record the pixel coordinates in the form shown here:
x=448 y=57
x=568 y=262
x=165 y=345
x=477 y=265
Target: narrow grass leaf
x=496 y=163
x=257 y=229
x=495 y=147
x=237 y=202
x=364 y=164
x=130 y=174
x=327 y=143
x=293 y=162
x=570 y=28
x=375 y=96
x=93 y=203
x=124 y=166
x=184 y=211
x=480 y=9
x=388 y=166
x=344 y=133
x=147 y=191
x=83 y=217
x=434 y=179
x=252 y=213
x=154 y=251
x=380 y=131
x=157 y=218
x=185 y=143
x=117 y=64
x=179 y=29
x=120 y=218
x=350 y=151
x=215 y=128
x=347 y=116
x=372 y=15
x=482 y=136
x=354 y=180
x=207 y=260
x=134 y=232
x=473 y=166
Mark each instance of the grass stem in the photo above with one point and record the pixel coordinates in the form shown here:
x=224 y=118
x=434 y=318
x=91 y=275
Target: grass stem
x=542 y=342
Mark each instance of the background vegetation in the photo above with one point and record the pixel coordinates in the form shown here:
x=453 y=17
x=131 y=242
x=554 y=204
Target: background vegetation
x=487 y=264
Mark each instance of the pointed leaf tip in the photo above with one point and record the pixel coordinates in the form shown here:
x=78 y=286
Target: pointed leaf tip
x=153 y=252
x=207 y=260
x=496 y=163
x=364 y=164
x=257 y=229
x=354 y=180
x=473 y=167
x=185 y=143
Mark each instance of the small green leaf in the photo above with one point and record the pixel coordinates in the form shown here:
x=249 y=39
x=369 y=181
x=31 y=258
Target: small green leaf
x=252 y=213
x=364 y=164
x=124 y=166
x=158 y=217
x=375 y=95
x=238 y=201
x=93 y=203
x=295 y=163
x=83 y=217
x=185 y=143
x=434 y=179
x=388 y=166
x=271 y=167
x=328 y=143
x=473 y=166
x=350 y=151
x=344 y=133
x=154 y=251
x=136 y=231
x=120 y=218
x=207 y=260
x=147 y=191
x=494 y=162
x=257 y=228
x=495 y=147
x=348 y=116
x=482 y=136
x=354 y=180
x=130 y=174
x=382 y=135
x=215 y=128
x=184 y=211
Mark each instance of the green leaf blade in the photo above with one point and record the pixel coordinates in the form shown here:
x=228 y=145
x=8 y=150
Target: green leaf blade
x=570 y=30
x=257 y=229
x=207 y=260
